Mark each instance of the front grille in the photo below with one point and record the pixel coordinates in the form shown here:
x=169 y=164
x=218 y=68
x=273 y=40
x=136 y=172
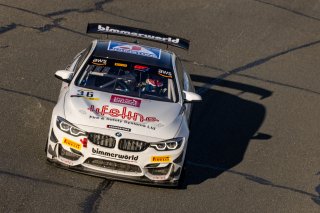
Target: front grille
x=112 y=165
x=102 y=140
x=132 y=145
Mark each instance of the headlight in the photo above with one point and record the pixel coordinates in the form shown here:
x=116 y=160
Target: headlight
x=172 y=144
x=68 y=127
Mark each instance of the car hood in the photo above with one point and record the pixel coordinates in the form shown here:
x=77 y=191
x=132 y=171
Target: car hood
x=122 y=113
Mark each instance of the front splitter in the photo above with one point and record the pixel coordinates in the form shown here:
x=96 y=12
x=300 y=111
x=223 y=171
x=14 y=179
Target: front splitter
x=137 y=180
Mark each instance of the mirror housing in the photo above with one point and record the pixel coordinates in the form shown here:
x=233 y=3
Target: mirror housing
x=191 y=97
x=64 y=75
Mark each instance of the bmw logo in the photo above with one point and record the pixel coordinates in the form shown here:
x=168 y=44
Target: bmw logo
x=118 y=134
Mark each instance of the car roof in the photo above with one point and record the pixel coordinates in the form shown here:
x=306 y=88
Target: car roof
x=102 y=50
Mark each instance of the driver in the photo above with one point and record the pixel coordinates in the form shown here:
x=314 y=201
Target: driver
x=153 y=85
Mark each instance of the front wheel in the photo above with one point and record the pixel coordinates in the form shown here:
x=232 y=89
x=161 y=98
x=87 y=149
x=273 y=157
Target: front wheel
x=182 y=183
x=46 y=148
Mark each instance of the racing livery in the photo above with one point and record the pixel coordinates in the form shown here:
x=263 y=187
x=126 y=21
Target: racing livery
x=124 y=109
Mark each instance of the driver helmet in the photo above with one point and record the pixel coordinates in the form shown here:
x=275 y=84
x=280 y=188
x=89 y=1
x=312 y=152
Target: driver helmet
x=152 y=84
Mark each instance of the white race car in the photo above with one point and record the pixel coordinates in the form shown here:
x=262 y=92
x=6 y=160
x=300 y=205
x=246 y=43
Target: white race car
x=123 y=111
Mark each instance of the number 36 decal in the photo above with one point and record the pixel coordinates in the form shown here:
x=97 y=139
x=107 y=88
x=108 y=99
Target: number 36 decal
x=85 y=93
x=88 y=94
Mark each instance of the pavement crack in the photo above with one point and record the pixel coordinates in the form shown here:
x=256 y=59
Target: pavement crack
x=263 y=93
x=44 y=181
x=203 y=65
x=258 y=62
x=238 y=71
x=61 y=12
x=21 y=9
x=98 y=7
x=56 y=22
x=7 y=28
x=27 y=94
x=289 y=10
x=262 y=181
x=279 y=83
x=47 y=27
x=92 y=202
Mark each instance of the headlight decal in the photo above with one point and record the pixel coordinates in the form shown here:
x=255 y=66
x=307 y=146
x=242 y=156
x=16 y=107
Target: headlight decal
x=69 y=128
x=64 y=126
x=168 y=145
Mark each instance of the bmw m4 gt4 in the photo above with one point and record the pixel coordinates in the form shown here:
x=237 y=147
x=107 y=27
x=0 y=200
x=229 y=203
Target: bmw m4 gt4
x=124 y=109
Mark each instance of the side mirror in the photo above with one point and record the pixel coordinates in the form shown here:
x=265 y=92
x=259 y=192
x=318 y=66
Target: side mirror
x=64 y=75
x=190 y=97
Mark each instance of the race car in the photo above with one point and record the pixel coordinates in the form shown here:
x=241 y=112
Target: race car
x=124 y=109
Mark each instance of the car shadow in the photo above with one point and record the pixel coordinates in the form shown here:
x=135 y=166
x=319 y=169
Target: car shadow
x=222 y=127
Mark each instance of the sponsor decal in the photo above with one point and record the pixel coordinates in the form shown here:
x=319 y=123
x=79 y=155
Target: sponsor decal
x=126 y=101
x=99 y=62
x=114 y=155
x=123 y=113
x=141 y=68
x=165 y=73
x=161 y=159
x=120 y=65
x=84 y=142
x=72 y=144
x=120 y=121
x=134 y=49
x=66 y=161
x=141 y=35
x=118 y=134
x=119 y=128
x=159 y=177
x=87 y=94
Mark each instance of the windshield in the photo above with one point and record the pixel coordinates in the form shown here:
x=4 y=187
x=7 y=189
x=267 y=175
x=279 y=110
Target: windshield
x=127 y=78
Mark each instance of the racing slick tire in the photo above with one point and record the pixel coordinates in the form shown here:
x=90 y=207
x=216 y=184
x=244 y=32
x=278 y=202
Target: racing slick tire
x=182 y=183
x=46 y=148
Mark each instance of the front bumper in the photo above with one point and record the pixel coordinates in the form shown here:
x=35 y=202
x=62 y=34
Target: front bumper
x=138 y=180
x=148 y=172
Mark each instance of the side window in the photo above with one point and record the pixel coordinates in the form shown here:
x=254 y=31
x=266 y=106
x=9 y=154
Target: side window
x=180 y=72
x=188 y=83
x=81 y=58
x=71 y=66
x=78 y=60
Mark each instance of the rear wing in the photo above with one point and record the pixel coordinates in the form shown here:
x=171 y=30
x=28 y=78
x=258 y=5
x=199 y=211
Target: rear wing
x=120 y=30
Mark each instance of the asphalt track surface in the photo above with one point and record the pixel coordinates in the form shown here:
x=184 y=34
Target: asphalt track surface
x=254 y=144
